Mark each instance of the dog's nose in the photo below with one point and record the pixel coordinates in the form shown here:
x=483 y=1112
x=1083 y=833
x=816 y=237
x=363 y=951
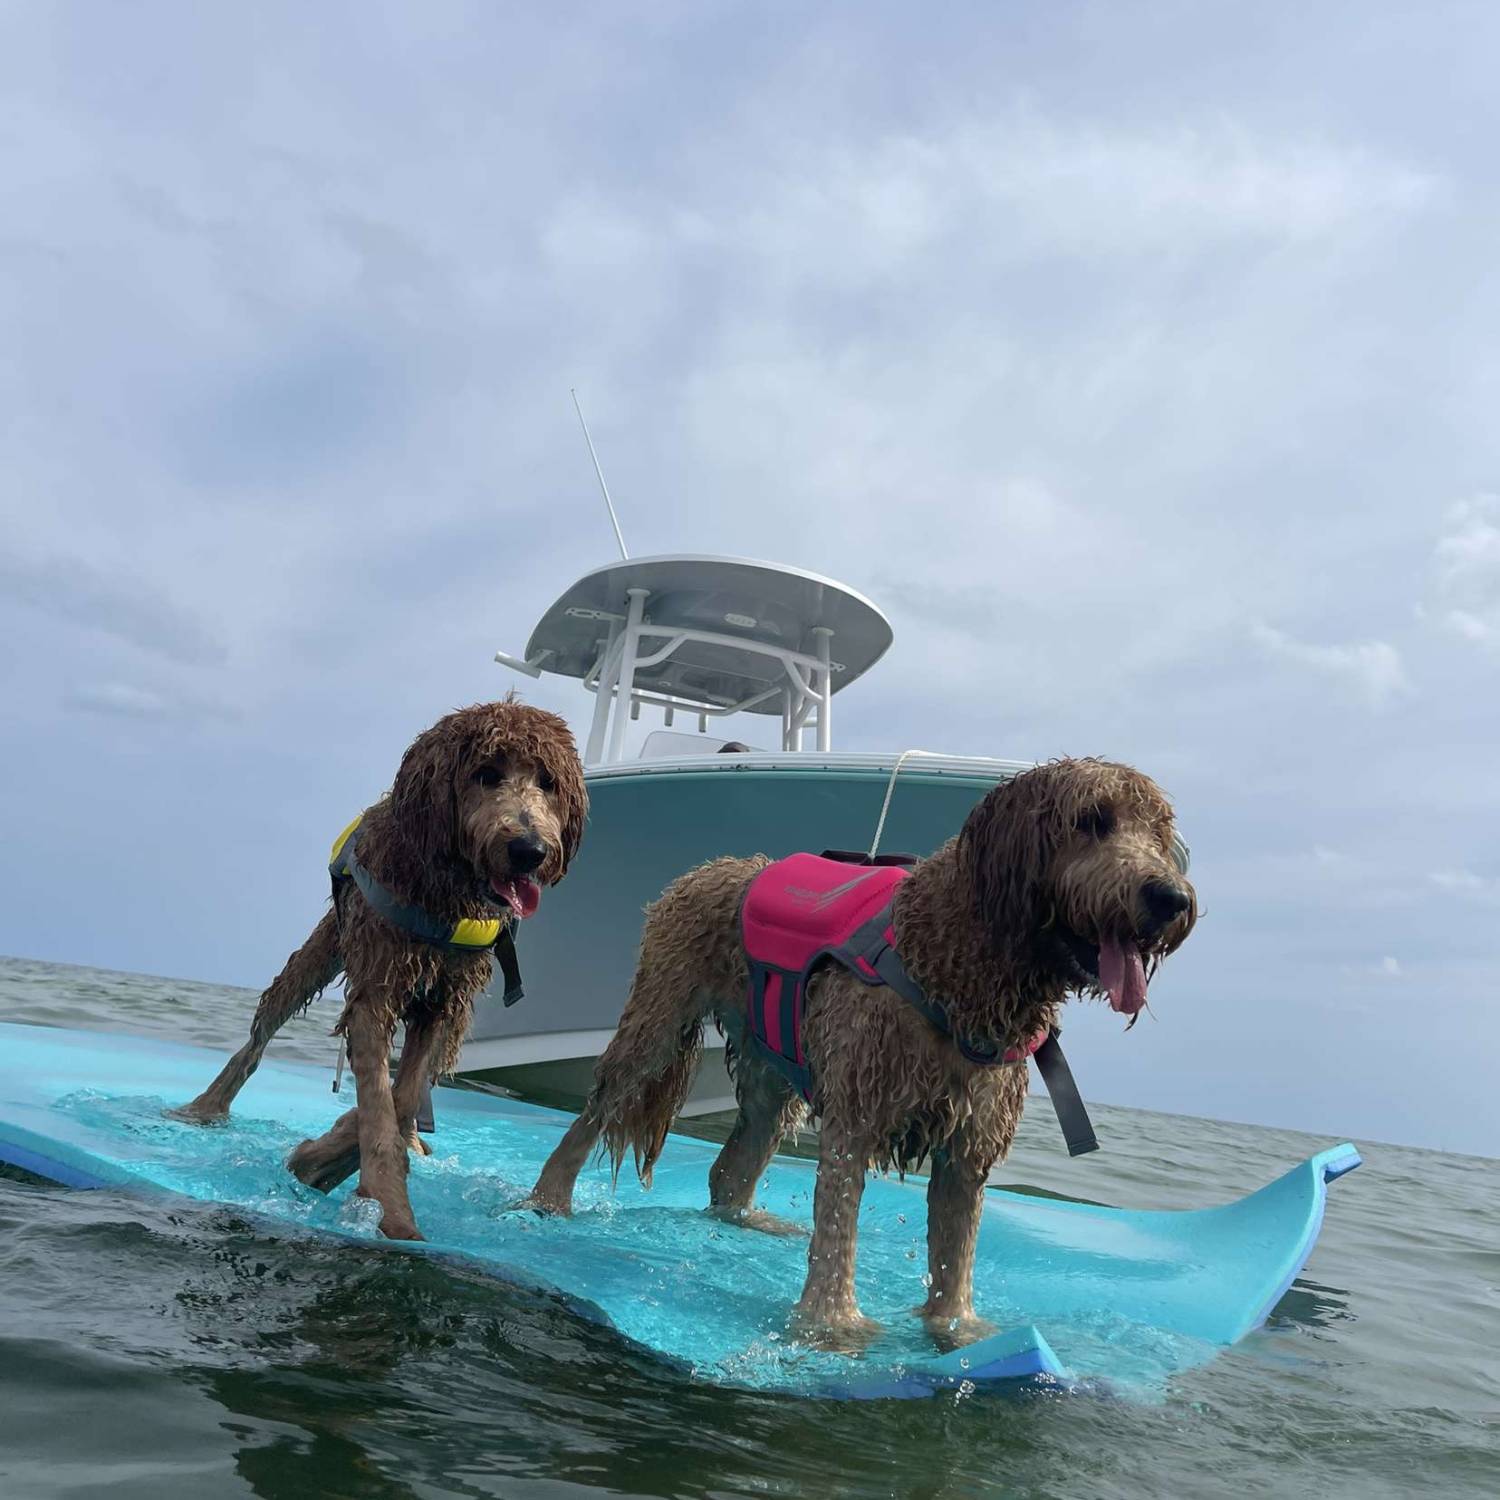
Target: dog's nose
x=1164 y=901
x=525 y=853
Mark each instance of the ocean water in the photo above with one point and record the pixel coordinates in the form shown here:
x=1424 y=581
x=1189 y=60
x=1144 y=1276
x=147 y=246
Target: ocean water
x=163 y=1350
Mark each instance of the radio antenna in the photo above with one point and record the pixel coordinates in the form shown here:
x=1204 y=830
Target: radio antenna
x=614 y=520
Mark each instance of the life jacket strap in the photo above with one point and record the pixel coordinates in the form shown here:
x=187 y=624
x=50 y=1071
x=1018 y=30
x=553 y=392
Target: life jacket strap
x=470 y=935
x=1077 y=1130
x=510 y=966
x=775 y=1020
x=425 y=1122
x=876 y=943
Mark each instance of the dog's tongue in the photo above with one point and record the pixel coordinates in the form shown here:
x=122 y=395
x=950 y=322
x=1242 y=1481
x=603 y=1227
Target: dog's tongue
x=1123 y=974
x=522 y=894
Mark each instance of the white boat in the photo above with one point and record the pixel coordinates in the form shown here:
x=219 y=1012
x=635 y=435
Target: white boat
x=695 y=640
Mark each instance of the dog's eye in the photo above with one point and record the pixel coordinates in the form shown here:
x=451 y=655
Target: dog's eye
x=491 y=775
x=1097 y=823
x=547 y=781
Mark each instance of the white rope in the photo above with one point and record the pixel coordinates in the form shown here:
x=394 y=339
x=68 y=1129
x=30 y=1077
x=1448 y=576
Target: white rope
x=890 y=789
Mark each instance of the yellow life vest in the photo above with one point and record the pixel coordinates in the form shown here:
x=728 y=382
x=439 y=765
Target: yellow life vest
x=470 y=934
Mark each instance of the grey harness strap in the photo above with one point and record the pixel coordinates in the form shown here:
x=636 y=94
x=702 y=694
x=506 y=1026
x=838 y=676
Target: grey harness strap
x=1077 y=1130
x=422 y=925
x=1057 y=1076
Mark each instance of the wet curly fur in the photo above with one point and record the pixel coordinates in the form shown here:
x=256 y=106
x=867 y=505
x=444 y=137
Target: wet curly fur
x=467 y=788
x=1001 y=923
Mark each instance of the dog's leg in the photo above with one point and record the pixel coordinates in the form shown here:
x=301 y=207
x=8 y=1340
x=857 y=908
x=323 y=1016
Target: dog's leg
x=335 y=1155
x=314 y=966
x=553 y=1193
x=955 y=1200
x=420 y=1057
x=640 y=1082
x=332 y=1158
x=383 y=1158
x=367 y=1138
x=827 y=1313
x=643 y=1076
x=768 y=1110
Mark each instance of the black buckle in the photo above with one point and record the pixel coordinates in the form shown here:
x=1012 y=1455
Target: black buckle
x=860 y=857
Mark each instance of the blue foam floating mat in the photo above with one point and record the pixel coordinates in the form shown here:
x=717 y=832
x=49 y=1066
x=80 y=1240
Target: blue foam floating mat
x=1082 y=1292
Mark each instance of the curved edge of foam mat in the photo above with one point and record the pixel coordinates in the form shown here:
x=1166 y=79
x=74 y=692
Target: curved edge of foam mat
x=1019 y=1354
x=1317 y=1172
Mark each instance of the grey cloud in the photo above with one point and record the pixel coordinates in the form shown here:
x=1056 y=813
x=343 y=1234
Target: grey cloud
x=295 y=414
x=117 y=699
x=126 y=700
x=1373 y=669
x=128 y=610
x=1466 y=559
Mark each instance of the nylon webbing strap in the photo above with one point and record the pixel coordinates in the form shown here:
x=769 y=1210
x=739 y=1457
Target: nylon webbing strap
x=425 y=1121
x=887 y=963
x=1066 y=1100
x=510 y=967
x=1057 y=1076
x=785 y=1063
x=411 y=920
x=419 y=924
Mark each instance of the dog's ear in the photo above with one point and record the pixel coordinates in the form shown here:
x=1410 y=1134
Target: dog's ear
x=1009 y=841
x=424 y=798
x=559 y=757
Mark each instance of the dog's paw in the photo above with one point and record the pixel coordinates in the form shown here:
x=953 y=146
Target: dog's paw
x=851 y=1333
x=322 y=1166
x=400 y=1228
x=950 y=1333
x=197 y=1114
x=543 y=1206
x=759 y=1219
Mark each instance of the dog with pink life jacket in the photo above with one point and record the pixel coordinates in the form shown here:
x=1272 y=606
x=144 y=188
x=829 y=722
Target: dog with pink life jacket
x=899 y=1003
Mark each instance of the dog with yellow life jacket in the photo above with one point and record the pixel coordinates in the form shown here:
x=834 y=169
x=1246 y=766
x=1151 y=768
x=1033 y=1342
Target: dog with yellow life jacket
x=487 y=807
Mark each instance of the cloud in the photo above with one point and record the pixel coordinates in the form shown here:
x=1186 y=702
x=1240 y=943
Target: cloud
x=115 y=605
x=1386 y=968
x=1012 y=185
x=293 y=414
x=1316 y=879
x=1468 y=886
x=1466 y=564
x=1373 y=669
x=117 y=699
x=126 y=700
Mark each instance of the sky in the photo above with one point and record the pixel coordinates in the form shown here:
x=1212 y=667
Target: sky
x=1142 y=362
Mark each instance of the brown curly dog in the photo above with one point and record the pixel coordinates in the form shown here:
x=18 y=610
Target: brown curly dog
x=487 y=807
x=1060 y=876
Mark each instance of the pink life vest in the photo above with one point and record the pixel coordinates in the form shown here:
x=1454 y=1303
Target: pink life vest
x=806 y=908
